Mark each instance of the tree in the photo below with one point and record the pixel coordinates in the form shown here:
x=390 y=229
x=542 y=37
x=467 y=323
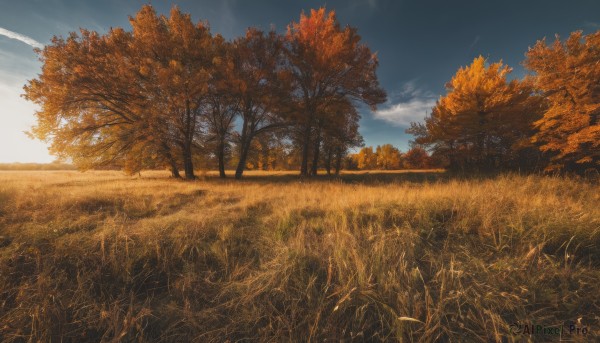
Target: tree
x=366 y=158
x=347 y=139
x=416 y=158
x=339 y=138
x=268 y=151
x=327 y=63
x=568 y=74
x=336 y=131
x=350 y=162
x=124 y=97
x=388 y=157
x=258 y=87
x=221 y=107
x=176 y=58
x=78 y=107
x=484 y=121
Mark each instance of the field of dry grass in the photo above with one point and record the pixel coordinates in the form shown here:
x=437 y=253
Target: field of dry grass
x=99 y=256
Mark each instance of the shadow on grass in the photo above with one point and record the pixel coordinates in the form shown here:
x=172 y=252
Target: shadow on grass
x=368 y=177
x=365 y=177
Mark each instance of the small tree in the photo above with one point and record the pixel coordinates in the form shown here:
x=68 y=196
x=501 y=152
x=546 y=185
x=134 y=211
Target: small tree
x=416 y=158
x=388 y=157
x=366 y=158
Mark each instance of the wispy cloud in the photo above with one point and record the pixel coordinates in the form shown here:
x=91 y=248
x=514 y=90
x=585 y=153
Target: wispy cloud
x=20 y=37
x=372 y=3
x=363 y=7
x=475 y=41
x=403 y=113
x=592 y=24
x=409 y=104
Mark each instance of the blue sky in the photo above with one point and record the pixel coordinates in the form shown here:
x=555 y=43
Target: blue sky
x=420 y=45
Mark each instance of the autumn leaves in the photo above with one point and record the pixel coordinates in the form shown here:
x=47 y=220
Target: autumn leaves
x=549 y=120
x=568 y=76
x=168 y=93
x=171 y=94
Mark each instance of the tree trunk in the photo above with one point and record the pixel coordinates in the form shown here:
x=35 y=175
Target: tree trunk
x=305 y=147
x=242 y=162
x=172 y=162
x=245 y=140
x=221 y=157
x=265 y=157
x=188 y=164
x=328 y=161
x=315 y=163
x=482 y=156
x=338 y=161
x=175 y=171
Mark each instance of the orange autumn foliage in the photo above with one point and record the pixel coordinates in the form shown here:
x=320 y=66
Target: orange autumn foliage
x=126 y=98
x=328 y=64
x=484 y=121
x=568 y=74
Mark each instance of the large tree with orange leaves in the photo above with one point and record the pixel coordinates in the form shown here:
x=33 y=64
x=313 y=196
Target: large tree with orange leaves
x=258 y=86
x=327 y=63
x=221 y=105
x=568 y=74
x=125 y=96
x=485 y=121
x=87 y=110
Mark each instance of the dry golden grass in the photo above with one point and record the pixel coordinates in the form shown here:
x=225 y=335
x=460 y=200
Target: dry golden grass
x=99 y=256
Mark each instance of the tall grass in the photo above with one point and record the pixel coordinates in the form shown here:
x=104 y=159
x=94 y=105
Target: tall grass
x=409 y=257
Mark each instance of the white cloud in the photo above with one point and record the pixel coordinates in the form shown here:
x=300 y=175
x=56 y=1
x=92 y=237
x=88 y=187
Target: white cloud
x=20 y=37
x=403 y=113
x=409 y=104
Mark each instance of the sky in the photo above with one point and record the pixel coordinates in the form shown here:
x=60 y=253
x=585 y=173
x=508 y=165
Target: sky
x=420 y=45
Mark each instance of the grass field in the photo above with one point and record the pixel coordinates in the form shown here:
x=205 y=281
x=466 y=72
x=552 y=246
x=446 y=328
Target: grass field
x=406 y=256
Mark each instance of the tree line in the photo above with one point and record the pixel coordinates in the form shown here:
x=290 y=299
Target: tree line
x=270 y=152
x=171 y=94
x=388 y=157
x=546 y=121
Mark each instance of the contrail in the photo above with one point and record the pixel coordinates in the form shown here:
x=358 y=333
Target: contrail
x=22 y=38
